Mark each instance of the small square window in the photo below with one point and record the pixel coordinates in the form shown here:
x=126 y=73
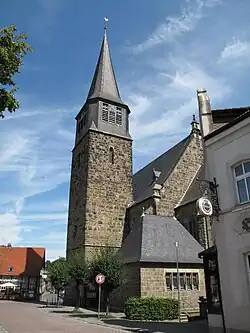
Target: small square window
x=247 y=167
x=10 y=269
x=239 y=170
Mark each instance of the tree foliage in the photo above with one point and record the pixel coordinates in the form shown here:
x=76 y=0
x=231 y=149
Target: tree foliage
x=108 y=263
x=13 y=48
x=79 y=273
x=59 y=275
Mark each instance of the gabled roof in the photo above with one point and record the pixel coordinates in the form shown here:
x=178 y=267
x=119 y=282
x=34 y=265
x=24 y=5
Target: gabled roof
x=155 y=242
x=104 y=83
x=238 y=115
x=194 y=191
x=143 y=180
x=23 y=261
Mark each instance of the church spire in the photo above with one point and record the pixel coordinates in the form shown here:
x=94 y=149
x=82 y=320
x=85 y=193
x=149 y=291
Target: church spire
x=104 y=83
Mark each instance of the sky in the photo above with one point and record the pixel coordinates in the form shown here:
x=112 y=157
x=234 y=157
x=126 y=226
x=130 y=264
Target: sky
x=162 y=51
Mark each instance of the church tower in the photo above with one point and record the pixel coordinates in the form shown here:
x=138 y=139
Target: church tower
x=101 y=175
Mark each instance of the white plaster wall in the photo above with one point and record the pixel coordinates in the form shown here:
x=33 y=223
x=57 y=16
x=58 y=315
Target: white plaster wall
x=215 y=320
x=223 y=152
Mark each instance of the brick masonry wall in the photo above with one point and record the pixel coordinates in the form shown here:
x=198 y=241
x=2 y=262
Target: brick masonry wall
x=153 y=283
x=178 y=182
x=196 y=225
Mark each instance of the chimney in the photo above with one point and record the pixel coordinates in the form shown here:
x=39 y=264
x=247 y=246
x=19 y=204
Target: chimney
x=205 y=113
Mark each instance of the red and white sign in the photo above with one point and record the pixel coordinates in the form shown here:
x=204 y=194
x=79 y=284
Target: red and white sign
x=100 y=278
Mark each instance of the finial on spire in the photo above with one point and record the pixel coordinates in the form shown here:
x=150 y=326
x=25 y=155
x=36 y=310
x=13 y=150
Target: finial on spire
x=105 y=24
x=195 y=126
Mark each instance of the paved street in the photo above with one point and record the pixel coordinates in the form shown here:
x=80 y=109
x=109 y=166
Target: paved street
x=24 y=318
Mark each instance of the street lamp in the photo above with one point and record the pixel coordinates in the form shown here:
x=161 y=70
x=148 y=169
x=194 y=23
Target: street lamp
x=178 y=280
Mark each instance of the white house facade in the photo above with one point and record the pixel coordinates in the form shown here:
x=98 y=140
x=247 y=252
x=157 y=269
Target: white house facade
x=226 y=137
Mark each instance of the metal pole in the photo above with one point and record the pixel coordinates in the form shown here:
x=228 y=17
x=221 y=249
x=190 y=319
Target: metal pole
x=178 y=281
x=99 y=301
x=206 y=220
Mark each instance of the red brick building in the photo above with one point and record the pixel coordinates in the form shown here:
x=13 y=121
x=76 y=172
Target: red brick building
x=20 y=269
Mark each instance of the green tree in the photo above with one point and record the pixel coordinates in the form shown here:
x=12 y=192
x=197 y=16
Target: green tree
x=108 y=262
x=13 y=48
x=59 y=275
x=79 y=273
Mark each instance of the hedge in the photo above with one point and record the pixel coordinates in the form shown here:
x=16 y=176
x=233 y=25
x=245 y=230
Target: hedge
x=151 y=308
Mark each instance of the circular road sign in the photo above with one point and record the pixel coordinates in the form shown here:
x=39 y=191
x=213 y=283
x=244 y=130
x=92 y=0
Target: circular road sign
x=100 y=278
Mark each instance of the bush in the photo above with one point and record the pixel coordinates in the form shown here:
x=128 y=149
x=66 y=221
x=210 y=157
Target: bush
x=151 y=308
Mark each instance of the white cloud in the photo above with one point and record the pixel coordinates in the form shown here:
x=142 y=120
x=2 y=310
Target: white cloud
x=173 y=101
x=10 y=226
x=235 y=50
x=175 y=26
x=37 y=157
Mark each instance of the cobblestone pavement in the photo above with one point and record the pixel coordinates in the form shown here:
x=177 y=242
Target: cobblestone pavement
x=18 y=317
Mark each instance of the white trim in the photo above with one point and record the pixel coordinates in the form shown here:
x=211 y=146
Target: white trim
x=243 y=176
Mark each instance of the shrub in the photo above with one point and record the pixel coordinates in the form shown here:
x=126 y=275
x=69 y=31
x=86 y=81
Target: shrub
x=151 y=308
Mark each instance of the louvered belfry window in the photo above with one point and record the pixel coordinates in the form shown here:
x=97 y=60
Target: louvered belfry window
x=112 y=114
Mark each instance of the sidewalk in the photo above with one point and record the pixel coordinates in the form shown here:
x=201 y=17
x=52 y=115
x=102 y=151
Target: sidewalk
x=119 y=322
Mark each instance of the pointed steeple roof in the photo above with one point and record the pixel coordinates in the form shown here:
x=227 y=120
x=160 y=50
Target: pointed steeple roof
x=104 y=83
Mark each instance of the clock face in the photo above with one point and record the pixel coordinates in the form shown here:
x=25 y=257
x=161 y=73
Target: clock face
x=205 y=207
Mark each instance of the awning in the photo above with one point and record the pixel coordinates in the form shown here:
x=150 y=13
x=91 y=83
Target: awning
x=211 y=251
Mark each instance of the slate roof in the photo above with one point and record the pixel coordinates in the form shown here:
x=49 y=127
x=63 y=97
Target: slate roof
x=143 y=180
x=104 y=84
x=194 y=192
x=155 y=241
x=23 y=260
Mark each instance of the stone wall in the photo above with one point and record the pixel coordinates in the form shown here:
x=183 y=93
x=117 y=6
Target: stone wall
x=101 y=190
x=109 y=190
x=153 y=283
x=180 y=179
x=196 y=225
x=78 y=195
x=134 y=214
x=131 y=287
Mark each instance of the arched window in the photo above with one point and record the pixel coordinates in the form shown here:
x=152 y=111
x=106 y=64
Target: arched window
x=111 y=155
x=242 y=178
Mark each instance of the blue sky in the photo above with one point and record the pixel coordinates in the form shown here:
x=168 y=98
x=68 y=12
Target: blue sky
x=162 y=52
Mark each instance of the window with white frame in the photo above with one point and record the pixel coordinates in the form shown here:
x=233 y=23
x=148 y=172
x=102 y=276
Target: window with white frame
x=188 y=281
x=242 y=177
x=248 y=266
x=111 y=114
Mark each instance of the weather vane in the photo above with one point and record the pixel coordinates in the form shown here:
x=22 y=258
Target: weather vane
x=105 y=23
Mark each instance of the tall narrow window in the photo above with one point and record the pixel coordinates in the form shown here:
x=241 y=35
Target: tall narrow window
x=242 y=177
x=182 y=281
x=188 y=281
x=111 y=155
x=175 y=281
x=169 y=281
x=196 y=281
x=78 y=161
x=248 y=266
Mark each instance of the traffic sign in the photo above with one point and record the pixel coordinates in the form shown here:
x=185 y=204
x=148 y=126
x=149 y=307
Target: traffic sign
x=99 y=279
